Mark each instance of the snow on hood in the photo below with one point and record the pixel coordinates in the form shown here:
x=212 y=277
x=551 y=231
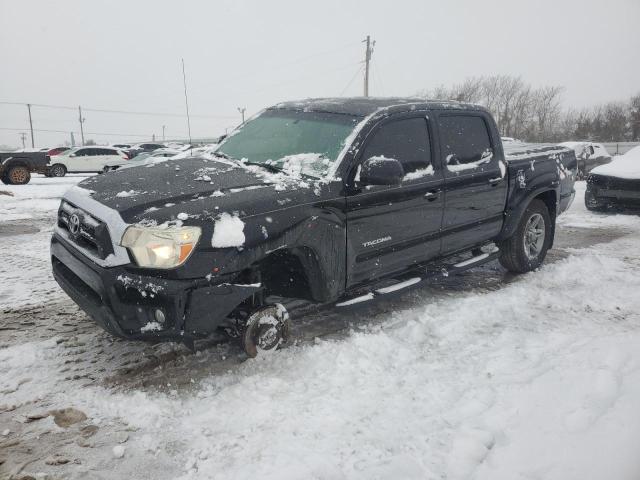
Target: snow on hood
x=193 y=186
x=625 y=166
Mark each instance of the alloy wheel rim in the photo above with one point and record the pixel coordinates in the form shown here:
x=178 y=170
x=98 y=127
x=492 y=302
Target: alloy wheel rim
x=18 y=175
x=534 y=234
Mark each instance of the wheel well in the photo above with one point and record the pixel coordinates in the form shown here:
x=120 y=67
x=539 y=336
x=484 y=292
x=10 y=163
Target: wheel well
x=283 y=274
x=15 y=163
x=549 y=199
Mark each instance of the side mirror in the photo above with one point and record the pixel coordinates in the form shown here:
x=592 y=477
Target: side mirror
x=381 y=171
x=72 y=154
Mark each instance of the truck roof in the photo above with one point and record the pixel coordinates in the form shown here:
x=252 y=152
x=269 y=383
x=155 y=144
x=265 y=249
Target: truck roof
x=363 y=106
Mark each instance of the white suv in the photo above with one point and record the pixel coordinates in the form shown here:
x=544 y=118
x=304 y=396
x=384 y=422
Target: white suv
x=86 y=160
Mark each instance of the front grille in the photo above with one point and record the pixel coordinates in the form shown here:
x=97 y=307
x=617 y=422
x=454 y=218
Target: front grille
x=85 y=230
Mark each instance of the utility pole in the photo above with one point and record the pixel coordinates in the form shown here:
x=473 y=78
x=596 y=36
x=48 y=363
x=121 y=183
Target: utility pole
x=242 y=110
x=163 y=127
x=81 y=122
x=23 y=137
x=367 y=61
x=31 y=125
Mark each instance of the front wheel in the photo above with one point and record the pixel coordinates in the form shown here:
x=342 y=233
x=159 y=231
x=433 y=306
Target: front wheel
x=527 y=248
x=266 y=329
x=18 y=175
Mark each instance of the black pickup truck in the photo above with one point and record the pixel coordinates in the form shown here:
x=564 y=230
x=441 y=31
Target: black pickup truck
x=311 y=204
x=16 y=167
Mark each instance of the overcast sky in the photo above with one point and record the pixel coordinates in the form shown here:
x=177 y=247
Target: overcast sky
x=125 y=55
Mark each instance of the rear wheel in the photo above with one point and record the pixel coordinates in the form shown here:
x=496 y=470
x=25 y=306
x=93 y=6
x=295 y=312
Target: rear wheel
x=527 y=248
x=58 y=170
x=266 y=329
x=18 y=175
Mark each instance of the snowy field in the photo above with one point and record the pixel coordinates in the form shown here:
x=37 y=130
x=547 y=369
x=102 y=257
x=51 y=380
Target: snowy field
x=482 y=376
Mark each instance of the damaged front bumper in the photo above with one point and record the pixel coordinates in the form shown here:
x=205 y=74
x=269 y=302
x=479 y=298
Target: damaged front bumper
x=136 y=306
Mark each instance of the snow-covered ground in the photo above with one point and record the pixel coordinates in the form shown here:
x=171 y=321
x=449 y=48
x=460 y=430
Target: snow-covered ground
x=488 y=376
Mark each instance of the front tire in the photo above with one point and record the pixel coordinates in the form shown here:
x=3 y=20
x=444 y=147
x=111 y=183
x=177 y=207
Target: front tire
x=18 y=175
x=527 y=248
x=58 y=170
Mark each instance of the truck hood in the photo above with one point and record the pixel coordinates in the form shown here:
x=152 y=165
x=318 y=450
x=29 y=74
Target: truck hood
x=196 y=187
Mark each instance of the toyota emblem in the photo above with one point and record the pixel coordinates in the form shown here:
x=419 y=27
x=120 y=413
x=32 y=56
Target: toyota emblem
x=74 y=224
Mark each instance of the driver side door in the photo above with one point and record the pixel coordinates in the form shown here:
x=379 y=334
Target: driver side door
x=391 y=228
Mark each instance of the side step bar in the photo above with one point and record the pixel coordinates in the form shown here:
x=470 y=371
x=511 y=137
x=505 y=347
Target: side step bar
x=431 y=273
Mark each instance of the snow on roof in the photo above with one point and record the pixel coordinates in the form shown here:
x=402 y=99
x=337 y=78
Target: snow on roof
x=625 y=166
x=363 y=106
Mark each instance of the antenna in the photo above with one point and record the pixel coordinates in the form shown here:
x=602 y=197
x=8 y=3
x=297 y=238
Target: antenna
x=186 y=102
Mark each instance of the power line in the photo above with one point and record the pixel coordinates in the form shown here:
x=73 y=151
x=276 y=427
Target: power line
x=352 y=79
x=113 y=134
x=125 y=112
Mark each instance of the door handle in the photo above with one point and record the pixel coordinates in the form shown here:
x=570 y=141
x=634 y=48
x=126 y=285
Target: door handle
x=495 y=181
x=432 y=195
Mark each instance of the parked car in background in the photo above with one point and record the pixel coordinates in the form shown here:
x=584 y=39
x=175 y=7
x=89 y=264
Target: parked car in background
x=149 y=158
x=311 y=204
x=122 y=146
x=616 y=184
x=16 y=167
x=589 y=156
x=87 y=160
x=143 y=147
x=57 y=150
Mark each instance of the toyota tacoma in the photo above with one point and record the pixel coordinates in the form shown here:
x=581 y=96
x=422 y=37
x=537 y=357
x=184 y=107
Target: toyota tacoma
x=311 y=204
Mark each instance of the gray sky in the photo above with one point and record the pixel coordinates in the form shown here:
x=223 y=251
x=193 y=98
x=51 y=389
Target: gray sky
x=125 y=55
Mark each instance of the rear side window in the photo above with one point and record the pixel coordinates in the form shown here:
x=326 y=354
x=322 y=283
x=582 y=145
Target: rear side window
x=464 y=139
x=406 y=140
x=107 y=151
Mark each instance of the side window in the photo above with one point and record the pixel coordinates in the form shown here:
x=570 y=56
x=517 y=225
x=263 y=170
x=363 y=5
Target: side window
x=405 y=140
x=106 y=151
x=464 y=141
x=83 y=152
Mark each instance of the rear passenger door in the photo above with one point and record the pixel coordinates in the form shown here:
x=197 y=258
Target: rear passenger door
x=475 y=183
x=393 y=227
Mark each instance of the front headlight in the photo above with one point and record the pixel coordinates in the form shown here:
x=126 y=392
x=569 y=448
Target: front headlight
x=157 y=247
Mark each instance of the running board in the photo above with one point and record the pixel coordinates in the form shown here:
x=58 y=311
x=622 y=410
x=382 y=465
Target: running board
x=439 y=271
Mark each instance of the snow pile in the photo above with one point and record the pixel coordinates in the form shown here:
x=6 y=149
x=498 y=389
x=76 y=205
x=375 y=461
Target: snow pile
x=625 y=166
x=313 y=164
x=228 y=232
x=40 y=197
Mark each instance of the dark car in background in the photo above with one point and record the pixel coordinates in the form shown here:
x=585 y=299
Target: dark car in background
x=57 y=150
x=16 y=167
x=616 y=185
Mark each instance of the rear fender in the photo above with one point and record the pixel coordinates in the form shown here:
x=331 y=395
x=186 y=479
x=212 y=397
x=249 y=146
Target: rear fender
x=550 y=196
